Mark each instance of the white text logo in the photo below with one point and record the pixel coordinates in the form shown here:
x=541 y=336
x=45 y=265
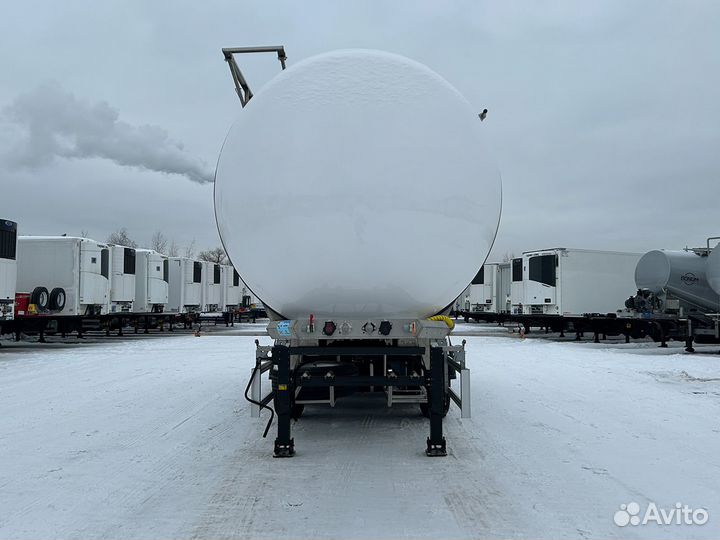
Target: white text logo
x=680 y=514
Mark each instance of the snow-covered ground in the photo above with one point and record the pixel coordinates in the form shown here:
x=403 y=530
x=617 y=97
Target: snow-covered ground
x=151 y=438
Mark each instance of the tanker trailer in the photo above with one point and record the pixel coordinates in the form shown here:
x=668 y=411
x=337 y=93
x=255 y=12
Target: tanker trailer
x=364 y=170
x=713 y=267
x=683 y=274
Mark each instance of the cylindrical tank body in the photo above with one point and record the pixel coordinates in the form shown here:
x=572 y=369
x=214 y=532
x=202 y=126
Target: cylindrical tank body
x=682 y=273
x=713 y=269
x=357 y=183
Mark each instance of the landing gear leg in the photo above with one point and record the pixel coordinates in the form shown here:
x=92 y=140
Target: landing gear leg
x=689 y=338
x=436 y=446
x=284 y=401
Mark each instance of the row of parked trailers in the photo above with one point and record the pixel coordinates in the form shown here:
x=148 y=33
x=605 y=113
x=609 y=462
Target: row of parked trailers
x=663 y=293
x=553 y=282
x=62 y=277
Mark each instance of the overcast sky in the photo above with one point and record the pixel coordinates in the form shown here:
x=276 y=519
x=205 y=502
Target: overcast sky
x=604 y=116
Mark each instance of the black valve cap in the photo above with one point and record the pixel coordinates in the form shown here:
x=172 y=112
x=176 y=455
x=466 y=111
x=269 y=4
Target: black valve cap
x=329 y=328
x=385 y=328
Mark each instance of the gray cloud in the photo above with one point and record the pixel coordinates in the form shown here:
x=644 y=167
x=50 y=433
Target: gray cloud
x=603 y=116
x=55 y=123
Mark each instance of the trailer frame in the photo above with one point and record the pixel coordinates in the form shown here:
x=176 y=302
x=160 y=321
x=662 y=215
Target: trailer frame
x=431 y=363
x=660 y=328
x=44 y=324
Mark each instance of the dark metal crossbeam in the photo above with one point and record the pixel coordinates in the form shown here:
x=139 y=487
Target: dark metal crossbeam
x=357 y=380
x=356 y=351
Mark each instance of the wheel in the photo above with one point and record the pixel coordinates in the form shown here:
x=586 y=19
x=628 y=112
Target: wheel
x=425 y=407
x=40 y=298
x=297 y=411
x=57 y=299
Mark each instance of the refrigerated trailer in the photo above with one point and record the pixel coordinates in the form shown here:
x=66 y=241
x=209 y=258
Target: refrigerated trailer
x=151 y=281
x=504 y=304
x=517 y=285
x=185 y=285
x=212 y=287
x=462 y=303
x=122 y=278
x=490 y=290
x=562 y=281
x=232 y=287
x=64 y=275
x=475 y=293
x=247 y=298
x=8 y=268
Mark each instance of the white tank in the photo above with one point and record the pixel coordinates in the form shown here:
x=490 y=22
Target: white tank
x=357 y=183
x=713 y=269
x=683 y=273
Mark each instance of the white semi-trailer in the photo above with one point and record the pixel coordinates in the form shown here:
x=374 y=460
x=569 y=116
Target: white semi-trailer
x=151 y=281
x=232 y=287
x=122 y=278
x=490 y=289
x=504 y=288
x=475 y=295
x=64 y=275
x=563 y=281
x=462 y=303
x=384 y=167
x=212 y=287
x=185 y=285
x=517 y=285
x=8 y=268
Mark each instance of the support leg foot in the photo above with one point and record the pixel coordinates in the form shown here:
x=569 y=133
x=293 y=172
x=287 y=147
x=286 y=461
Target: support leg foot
x=436 y=449
x=284 y=450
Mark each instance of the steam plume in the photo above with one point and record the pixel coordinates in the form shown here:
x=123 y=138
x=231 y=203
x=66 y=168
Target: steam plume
x=54 y=123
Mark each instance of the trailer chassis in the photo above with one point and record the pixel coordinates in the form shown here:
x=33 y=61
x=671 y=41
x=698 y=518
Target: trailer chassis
x=64 y=325
x=661 y=328
x=433 y=362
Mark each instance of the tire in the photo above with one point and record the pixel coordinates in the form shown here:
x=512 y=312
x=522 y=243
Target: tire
x=40 y=297
x=425 y=407
x=57 y=299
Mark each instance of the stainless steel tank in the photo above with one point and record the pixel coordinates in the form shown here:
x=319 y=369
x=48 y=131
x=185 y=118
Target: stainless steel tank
x=681 y=273
x=346 y=180
x=713 y=269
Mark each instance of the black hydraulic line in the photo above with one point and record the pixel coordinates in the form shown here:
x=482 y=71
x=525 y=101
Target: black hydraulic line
x=258 y=403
